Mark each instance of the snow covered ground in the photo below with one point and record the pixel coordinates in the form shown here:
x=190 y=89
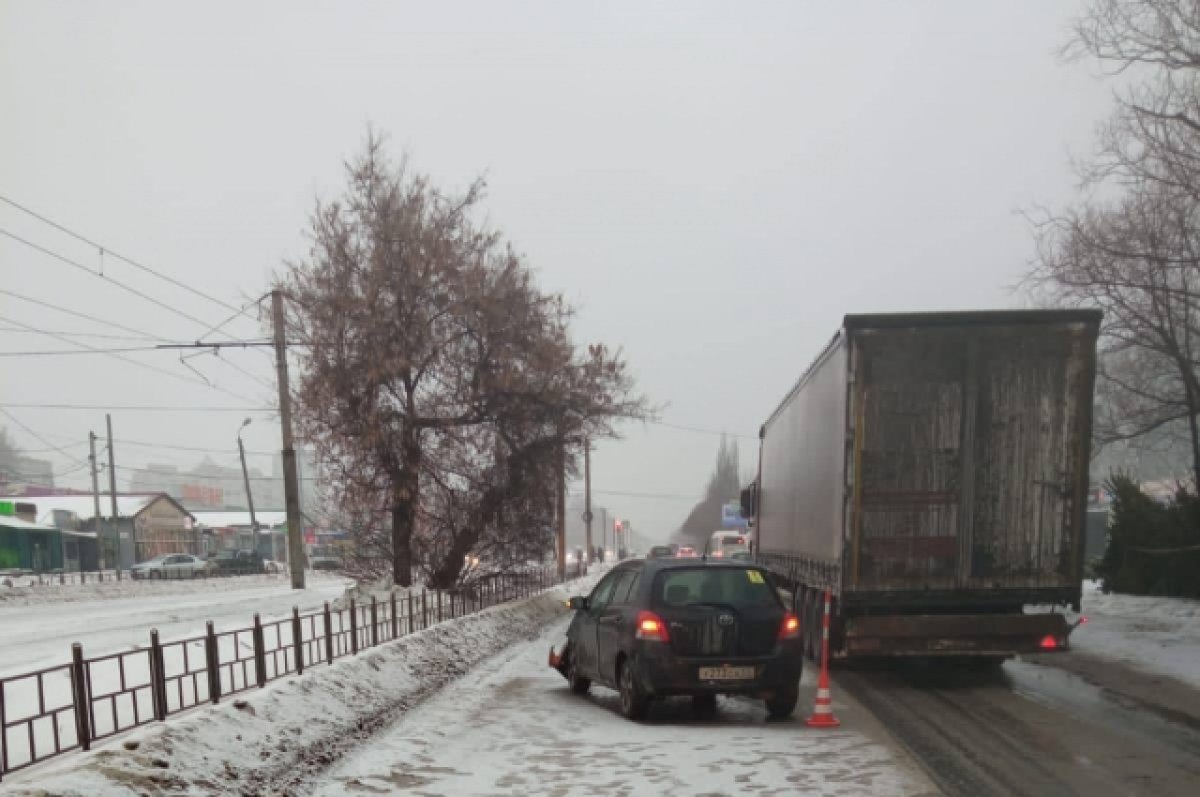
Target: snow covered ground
x=39 y=624
x=461 y=709
x=1159 y=635
x=517 y=729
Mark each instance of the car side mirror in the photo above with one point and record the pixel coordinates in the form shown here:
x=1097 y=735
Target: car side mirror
x=578 y=603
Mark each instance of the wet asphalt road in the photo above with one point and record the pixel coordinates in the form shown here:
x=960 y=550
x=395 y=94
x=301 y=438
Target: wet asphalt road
x=1054 y=725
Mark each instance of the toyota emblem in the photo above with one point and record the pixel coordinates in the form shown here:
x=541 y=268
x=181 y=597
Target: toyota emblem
x=725 y=619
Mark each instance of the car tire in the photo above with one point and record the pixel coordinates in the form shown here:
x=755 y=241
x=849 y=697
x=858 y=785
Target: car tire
x=705 y=705
x=634 y=701
x=579 y=685
x=781 y=704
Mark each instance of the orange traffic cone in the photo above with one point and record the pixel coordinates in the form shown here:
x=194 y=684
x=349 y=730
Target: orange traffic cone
x=822 y=716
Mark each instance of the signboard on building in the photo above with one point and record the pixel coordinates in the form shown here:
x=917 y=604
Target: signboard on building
x=202 y=495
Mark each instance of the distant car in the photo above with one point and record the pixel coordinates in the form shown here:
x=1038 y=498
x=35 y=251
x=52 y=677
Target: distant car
x=727 y=543
x=686 y=552
x=334 y=563
x=173 y=565
x=660 y=552
x=238 y=562
x=660 y=627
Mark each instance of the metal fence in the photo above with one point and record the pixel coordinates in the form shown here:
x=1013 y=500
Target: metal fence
x=68 y=707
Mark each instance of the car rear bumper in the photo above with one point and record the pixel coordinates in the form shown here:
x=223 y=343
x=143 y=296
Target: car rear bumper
x=663 y=673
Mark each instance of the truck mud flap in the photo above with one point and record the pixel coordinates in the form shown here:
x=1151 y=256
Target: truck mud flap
x=974 y=634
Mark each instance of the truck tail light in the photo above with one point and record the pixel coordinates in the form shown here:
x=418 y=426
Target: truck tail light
x=651 y=627
x=790 y=627
x=1048 y=643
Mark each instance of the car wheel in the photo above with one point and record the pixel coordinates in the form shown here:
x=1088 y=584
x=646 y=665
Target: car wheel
x=634 y=702
x=705 y=705
x=781 y=704
x=579 y=685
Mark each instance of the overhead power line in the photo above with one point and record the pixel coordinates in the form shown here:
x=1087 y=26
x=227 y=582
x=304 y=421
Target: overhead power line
x=134 y=407
x=115 y=356
x=68 y=334
x=106 y=250
x=144 y=444
x=701 y=430
x=77 y=314
x=39 y=438
x=105 y=277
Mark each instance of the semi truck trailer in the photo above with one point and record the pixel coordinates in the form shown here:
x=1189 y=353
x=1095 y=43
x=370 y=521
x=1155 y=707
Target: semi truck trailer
x=930 y=470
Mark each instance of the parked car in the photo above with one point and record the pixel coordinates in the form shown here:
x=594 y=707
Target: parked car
x=659 y=627
x=238 y=562
x=173 y=565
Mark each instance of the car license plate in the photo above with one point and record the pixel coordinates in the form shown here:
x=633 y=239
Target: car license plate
x=726 y=673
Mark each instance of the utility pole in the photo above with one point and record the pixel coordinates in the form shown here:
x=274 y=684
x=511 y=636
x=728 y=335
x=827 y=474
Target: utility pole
x=246 y=481
x=96 y=501
x=587 y=497
x=291 y=484
x=112 y=489
x=561 y=506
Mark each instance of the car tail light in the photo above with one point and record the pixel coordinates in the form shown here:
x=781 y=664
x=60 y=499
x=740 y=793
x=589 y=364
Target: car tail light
x=1048 y=643
x=651 y=627
x=790 y=627
x=741 y=540
x=1083 y=621
x=717 y=554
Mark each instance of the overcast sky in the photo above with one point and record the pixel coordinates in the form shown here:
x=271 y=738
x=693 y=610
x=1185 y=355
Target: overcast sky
x=713 y=184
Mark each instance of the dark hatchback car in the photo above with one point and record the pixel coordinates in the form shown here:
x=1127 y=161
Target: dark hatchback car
x=663 y=627
x=239 y=562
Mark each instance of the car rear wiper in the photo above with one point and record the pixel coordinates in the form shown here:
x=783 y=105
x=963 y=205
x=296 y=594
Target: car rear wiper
x=728 y=606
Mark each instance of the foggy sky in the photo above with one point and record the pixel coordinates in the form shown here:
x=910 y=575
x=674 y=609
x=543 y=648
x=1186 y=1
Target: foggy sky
x=713 y=185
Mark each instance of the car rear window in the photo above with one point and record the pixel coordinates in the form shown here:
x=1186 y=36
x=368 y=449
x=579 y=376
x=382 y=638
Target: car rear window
x=734 y=586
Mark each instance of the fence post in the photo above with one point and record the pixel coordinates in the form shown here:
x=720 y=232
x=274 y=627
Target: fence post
x=298 y=640
x=213 y=656
x=395 y=618
x=82 y=577
x=260 y=655
x=424 y=608
x=353 y=628
x=374 y=623
x=439 y=607
x=158 y=683
x=328 y=635
x=79 y=691
x=412 y=616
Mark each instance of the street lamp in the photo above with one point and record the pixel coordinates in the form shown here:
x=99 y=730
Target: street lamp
x=246 y=479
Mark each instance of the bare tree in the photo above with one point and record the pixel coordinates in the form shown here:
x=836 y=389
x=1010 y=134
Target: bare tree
x=1131 y=245
x=424 y=333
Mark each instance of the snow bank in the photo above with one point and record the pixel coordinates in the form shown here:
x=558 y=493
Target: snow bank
x=272 y=739
x=1159 y=635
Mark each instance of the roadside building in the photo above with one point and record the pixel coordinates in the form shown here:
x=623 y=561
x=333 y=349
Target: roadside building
x=233 y=530
x=147 y=525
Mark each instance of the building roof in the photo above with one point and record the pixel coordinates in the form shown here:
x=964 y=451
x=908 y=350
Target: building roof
x=128 y=504
x=10 y=522
x=224 y=520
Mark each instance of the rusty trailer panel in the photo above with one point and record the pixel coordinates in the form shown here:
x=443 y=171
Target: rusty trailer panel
x=963 y=634
x=970 y=446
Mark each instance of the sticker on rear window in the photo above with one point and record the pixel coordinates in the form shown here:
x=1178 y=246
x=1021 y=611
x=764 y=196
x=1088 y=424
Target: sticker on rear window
x=755 y=577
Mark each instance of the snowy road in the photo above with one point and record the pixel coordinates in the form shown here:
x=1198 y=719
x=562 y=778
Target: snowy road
x=40 y=635
x=1055 y=725
x=512 y=728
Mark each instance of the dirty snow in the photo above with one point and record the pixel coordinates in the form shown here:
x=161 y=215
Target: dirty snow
x=516 y=729
x=1158 y=635
x=270 y=740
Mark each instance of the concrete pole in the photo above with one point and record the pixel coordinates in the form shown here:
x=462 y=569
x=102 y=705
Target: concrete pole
x=291 y=484
x=112 y=489
x=99 y=524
